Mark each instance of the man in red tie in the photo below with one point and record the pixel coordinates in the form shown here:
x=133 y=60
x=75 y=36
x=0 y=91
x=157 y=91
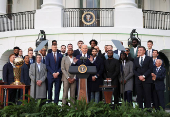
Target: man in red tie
x=53 y=63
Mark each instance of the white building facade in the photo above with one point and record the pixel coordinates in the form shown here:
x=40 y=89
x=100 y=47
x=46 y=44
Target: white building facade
x=62 y=21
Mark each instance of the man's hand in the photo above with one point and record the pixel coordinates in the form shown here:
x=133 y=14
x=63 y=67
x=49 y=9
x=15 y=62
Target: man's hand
x=55 y=75
x=93 y=78
x=69 y=80
x=124 y=81
x=72 y=80
x=141 y=78
x=75 y=60
x=39 y=82
x=91 y=58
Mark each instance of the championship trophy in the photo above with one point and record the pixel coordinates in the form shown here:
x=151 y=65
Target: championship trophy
x=18 y=62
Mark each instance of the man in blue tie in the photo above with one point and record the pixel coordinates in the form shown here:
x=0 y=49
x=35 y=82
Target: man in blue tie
x=158 y=77
x=31 y=57
x=53 y=63
x=143 y=66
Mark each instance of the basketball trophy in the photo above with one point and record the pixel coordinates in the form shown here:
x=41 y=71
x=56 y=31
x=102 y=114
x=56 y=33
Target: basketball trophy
x=18 y=62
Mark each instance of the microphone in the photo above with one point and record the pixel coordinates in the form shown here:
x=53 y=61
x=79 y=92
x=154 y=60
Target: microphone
x=83 y=59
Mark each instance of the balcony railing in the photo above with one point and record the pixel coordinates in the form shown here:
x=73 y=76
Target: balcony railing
x=17 y=21
x=156 y=19
x=103 y=17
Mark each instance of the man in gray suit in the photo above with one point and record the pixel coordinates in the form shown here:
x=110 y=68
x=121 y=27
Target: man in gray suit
x=68 y=79
x=41 y=75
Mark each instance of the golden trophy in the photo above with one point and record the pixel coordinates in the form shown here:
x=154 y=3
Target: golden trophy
x=18 y=62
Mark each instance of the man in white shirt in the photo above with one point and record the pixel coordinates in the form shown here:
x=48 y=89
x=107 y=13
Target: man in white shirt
x=68 y=79
x=143 y=66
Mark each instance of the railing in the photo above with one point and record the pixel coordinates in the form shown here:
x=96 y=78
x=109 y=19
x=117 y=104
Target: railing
x=156 y=19
x=17 y=21
x=104 y=17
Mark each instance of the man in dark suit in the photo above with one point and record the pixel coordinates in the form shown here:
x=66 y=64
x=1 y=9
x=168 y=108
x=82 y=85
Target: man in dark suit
x=93 y=43
x=8 y=77
x=54 y=42
x=143 y=67
x=25 y=75
x=128 y=54
x=78 y=51
x=31 y=57
x=150 y=50
x=118 y=51
x=111 y=70
x=63 y=50
x=53 y=63
x=88 y=62
x=97 y=78
x=158 y=77
x=16 y=51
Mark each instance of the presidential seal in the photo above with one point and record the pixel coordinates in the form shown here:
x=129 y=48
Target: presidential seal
x=82 y=68
x=88 y=18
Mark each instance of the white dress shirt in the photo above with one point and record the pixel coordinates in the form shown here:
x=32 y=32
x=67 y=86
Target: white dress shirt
x=135 y=49
x=84 y=55
x=38 y=64
x=150 y=53
x=13 y=65
x=123 y=63
x=71 y=59
x=140 y=58
x=158 y=68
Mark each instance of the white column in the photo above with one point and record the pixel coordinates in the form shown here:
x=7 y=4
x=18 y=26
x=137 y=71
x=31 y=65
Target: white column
x=125 y=3
x=3 y=4
x=50 y=15
x=52 y=4
x=127 y=14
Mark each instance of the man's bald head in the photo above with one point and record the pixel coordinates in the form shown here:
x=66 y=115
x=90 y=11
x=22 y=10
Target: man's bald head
x=84 y=49
x=158 y=62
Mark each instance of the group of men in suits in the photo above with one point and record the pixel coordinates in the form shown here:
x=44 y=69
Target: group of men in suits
x=53 y=68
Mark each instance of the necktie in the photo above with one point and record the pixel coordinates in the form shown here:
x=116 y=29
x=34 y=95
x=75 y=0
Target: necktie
x=154 y=62
x=43 y=60
x=80 y=51
x=54 y=57
x=141 y=61
x=157 y=70
x=63 y=55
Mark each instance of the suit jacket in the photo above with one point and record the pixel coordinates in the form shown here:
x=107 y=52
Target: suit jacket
x=146 y=53
x=130 y=58
x=111 y=70
x=50 y=50
x=128 y=76
x=132 y=52
x=101 y=56
x=40 y=75
x=115 y=56
x=33 y=59
x=145 y=70
x=8 y=75
x=160 y=76
x=65 y=64
x=25 y=75
x=100 y=68
x=76 y=52
x=53 y=67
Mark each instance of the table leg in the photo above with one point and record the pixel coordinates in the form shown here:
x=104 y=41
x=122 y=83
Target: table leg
x=29 y=95
x=7 y=92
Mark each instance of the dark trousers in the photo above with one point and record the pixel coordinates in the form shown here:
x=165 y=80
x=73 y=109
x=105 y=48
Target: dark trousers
x=12 y=95
x=158 y=97
x=144 y=93
x=116 y=95
x=57 y=82
x=128 y=96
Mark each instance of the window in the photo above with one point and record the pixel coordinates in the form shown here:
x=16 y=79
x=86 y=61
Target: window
x=39 y=3
x=9 y=6
x=140 y=4
x=89 y=3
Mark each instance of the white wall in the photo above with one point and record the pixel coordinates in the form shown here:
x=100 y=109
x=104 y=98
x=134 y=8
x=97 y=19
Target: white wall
x=26 y=38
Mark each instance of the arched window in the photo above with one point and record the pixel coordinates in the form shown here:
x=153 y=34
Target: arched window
x=39 y=3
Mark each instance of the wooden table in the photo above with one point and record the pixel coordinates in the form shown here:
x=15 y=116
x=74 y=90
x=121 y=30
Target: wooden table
x=2 y=87
x=107 y=93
